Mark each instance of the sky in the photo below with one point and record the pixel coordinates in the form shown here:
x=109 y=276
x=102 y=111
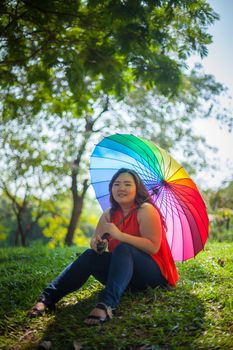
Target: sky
x=219 y=63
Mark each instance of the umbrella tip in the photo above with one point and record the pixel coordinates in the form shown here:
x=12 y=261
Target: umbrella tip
x=157 y=188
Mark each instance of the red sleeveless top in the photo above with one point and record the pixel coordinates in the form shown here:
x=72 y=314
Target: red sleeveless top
x=163 y=257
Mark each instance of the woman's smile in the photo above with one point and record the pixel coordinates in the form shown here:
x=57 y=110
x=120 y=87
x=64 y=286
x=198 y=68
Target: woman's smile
x=121 y=194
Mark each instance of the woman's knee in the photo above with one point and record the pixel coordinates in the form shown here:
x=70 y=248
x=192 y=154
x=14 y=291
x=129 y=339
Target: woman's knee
x=125 y=247
x=89 y=252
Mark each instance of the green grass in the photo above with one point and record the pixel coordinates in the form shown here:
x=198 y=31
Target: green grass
x=195 y=315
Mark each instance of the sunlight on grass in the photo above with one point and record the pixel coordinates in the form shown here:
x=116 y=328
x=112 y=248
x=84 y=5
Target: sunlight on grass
x=195 y=315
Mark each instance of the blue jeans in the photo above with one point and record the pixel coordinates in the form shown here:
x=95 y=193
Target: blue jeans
x=126 y=267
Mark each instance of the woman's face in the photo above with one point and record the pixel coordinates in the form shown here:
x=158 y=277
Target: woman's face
x=124 y=189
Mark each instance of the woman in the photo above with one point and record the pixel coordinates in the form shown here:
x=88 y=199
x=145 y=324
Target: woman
x=138 y=256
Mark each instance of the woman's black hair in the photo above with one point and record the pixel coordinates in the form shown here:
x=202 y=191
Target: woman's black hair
x=142 y=195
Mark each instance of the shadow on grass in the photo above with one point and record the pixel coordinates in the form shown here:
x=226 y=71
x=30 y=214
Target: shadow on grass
x=154 y=319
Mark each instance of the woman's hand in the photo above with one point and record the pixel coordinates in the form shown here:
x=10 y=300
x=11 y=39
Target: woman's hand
x=99 y=231
x=94 y=241
x=99 y=243
x=113 y=231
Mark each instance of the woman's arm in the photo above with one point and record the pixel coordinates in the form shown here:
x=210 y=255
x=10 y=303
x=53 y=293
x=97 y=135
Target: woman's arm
x=99 y=231
x=150 y=229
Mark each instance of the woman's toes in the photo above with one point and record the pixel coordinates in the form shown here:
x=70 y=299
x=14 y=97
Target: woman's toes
x=40 y=306
x=97 y=314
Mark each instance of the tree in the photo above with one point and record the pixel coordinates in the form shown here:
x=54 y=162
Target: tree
x=19 y=220
x=7 y=221
x=26 y=169
x=41 y=161
x=54 y=224
x=222 y=198
x=67 y=54
x=58 y=148
x=69 y=59
x=169 y=121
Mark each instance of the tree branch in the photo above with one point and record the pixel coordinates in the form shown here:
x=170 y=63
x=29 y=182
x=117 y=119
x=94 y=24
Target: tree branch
x=15 y=204
x=105 y=109
x=86 y=184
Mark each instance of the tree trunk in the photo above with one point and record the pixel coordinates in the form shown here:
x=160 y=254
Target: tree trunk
x=21 y=231
x=77 y=207
x=16 y=237
x=76 y=212
x=78 y=198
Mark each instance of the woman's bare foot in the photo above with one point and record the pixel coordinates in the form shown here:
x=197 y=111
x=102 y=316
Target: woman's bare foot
x=37 y=310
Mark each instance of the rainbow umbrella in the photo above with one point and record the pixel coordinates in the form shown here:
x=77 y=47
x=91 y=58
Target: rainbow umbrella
x=170 y=186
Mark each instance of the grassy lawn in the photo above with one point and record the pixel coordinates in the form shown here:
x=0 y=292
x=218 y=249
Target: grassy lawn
x=195 y=315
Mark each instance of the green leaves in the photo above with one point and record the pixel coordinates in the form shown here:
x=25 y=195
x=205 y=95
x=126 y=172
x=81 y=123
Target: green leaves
x=96 y=46
x=161 y=72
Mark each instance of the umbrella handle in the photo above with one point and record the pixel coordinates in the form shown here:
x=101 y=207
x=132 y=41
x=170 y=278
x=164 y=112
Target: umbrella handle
x=105 y=236
x=101 y=246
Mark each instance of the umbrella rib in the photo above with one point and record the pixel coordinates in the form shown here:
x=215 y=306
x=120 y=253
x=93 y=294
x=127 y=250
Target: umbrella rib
x=163 y=195
x=123 y=161
x=199 y=202
x=183 y=205
x=104 y=195
x=173 y=223
x=177 y=172
x=168 y=168
x=102 y=168
x=142 y=149
x=173 y=213
x=120 y=153
x=162 y=161
x=100 y=182
x=145 y=172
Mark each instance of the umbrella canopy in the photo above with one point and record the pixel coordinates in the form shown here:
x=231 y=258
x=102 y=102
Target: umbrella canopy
x=177 y=196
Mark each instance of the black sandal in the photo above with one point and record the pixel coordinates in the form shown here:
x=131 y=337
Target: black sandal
x=100 y=319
